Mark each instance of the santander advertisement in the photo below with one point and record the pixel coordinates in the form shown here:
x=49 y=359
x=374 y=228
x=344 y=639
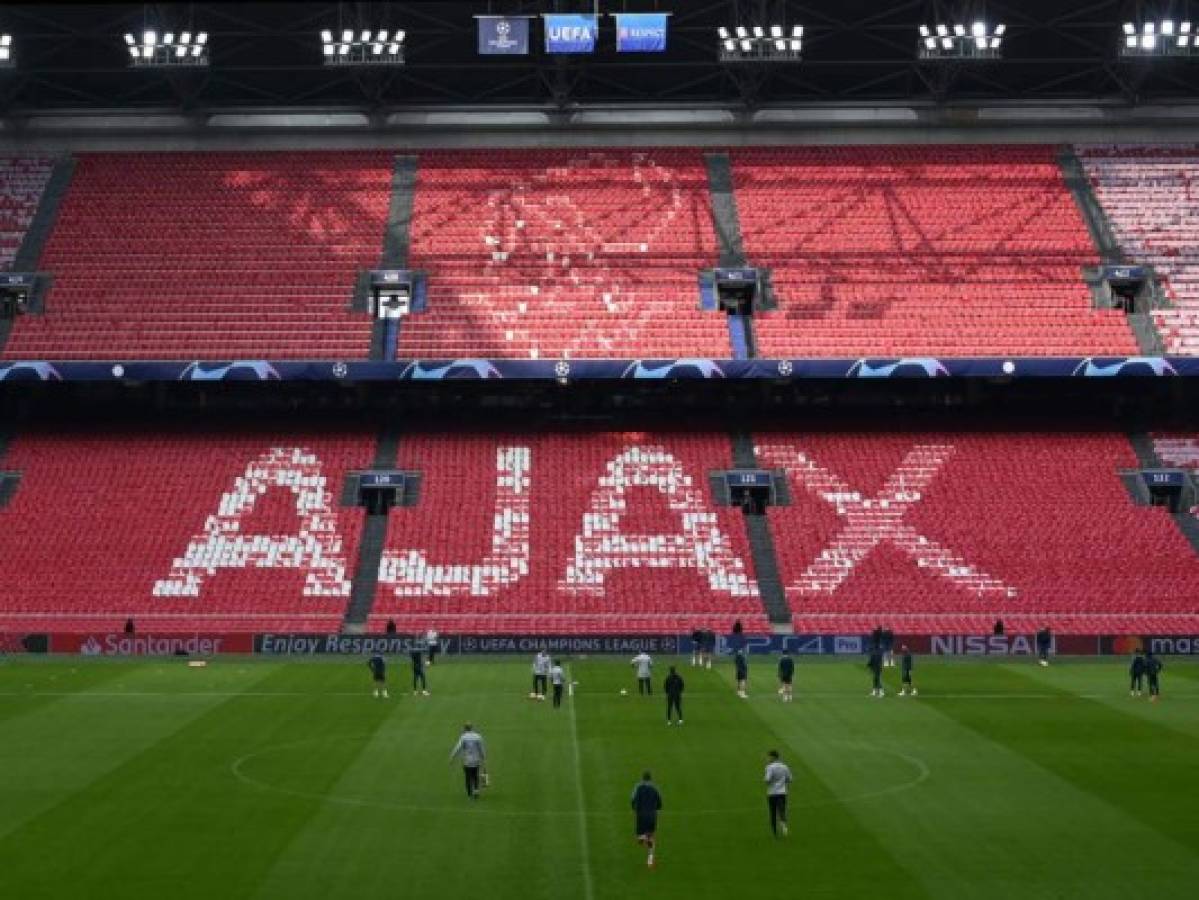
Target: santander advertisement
x=120 y=644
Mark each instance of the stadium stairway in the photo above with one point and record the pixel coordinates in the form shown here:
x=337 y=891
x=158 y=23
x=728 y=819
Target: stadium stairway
x=396 y=240
x=761 y=546
x=1149 y=457
x=365 y=582
x=1103 y=235
x=732 y=249
x=15 y=203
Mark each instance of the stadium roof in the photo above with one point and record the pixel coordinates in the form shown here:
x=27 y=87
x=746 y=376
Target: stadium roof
x=267 y=55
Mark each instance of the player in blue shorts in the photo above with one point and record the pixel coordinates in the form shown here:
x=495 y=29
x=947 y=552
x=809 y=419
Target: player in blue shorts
x=646 y=803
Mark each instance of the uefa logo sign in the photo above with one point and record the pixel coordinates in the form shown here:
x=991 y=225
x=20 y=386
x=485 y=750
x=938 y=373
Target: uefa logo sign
x=503 y=27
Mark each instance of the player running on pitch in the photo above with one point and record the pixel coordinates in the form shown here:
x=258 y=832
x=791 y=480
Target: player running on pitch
x=741 y=670
x=777 y=778
x=378 y=667
x=473 y=753
x=787 y=677
x=674 y=695
x=646 y=804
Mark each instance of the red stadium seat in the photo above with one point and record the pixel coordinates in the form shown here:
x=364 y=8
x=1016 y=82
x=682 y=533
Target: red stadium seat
x=559 y=254
x=211 y=256
x=920 y=251
x=1148 y=193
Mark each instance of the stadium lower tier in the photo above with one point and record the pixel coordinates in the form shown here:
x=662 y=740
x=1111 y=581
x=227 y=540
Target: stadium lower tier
x=583 y=532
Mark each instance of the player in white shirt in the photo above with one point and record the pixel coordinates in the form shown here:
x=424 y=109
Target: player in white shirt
x=777 y=778
x=541 y=675
x=644 y=666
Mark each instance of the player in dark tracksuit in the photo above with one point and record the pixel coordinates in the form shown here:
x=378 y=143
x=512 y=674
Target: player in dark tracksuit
x=1153 y=668
x=741 y=669
x=418 y=671
x=1044 y=643
x=787 y=677
x=646 y=804
x=674 y=695
x=1136 y=674
x=905 y=672
x=378 y=667
x=875 y=665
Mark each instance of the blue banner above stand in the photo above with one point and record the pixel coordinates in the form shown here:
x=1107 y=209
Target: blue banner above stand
x=503 y=35
x=641 y=32
x=570 y=33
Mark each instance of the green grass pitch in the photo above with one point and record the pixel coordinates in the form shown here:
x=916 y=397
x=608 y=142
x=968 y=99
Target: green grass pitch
x=253 y=779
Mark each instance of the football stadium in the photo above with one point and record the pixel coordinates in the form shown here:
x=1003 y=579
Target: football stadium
x=599 y=449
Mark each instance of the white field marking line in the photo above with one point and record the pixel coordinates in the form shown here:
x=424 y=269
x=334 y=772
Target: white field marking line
x=584 y=844
x=1174 y=694
x=238 y=765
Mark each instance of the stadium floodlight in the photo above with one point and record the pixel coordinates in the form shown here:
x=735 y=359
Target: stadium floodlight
x=1154 y=37
x=957 y=41
x=759 y=43
x=6 y=55
x=362 y=46
x=167 y=48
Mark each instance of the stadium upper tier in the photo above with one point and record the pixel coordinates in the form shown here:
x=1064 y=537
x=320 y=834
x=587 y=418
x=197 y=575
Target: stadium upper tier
x=542 y=254
x=569 y=532
x=210 y=256
x=926 y=251
x=1149 y=195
